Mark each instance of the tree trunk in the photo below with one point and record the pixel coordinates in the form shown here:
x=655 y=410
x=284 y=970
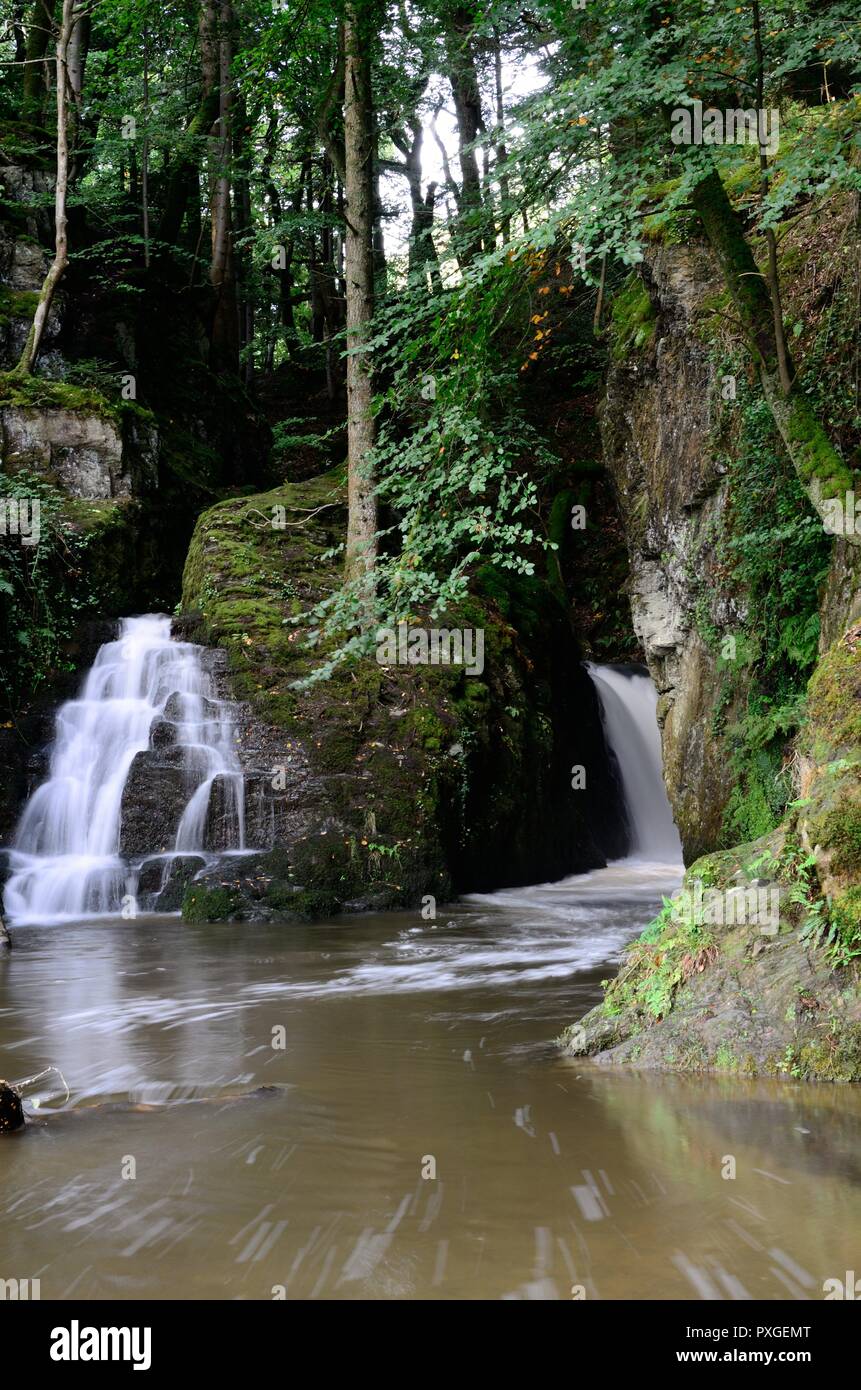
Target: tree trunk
x=820 y=468
x=39 y=31
x=224 y=341
x=359 y=212
x=145 y=151
x=19 y=31
x=183 y=176
x=467 y=105
x=61 y=245
x=770 y=239
x=244 y=225
x=423 y=261
x=501 y=152
x=79 y=47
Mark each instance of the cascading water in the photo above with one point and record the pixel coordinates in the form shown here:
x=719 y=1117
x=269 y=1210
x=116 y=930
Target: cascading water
x=65 y=861
x=629 y=710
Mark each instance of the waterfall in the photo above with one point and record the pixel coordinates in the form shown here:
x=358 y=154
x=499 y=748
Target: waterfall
x=66 y=858
x=628 y=702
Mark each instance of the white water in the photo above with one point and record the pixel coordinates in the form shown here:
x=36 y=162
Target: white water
x=65 y=860
x=629 y=704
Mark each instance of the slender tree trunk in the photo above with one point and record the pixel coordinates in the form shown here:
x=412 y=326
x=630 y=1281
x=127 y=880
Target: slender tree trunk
x=225 y=323
x=241 y=130
x=79 y=47
x=423 y=261
x=58 y=265
x=599 y=302
x=500 y=147
x=182 y=180
x=359 y=213
x=19 y=31
x=145 y=151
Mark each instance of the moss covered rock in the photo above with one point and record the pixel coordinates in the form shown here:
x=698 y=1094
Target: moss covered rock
x=392 y=782
x=741 y=986
x=829 y=807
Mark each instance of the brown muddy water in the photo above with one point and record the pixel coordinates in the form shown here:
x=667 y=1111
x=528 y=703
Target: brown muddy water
x=410 y=1048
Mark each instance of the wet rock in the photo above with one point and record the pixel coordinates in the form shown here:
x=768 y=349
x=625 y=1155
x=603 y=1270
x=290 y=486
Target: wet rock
x=382 y=785
x=11 y=1110
x=176 y=708
x=222 y=821
x=163 y=734
x=154 y=798
x=5 y=939
x=163 y=882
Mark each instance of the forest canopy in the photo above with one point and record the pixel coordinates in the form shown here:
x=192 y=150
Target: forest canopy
x=422 y=201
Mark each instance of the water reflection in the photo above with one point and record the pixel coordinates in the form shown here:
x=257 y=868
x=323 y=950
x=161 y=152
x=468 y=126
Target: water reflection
x=411 y=1048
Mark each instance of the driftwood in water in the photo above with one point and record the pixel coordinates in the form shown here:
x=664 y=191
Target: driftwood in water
x=11 y=1109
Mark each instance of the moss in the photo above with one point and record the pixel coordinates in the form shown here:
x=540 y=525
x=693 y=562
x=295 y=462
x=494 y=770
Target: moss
x=210 y=905
x=834 y=704
x=426 y=726
x=664 y=956
x=839 y=831
x=813 y=453
x=834 y=1057
x=39 y=393
x=16 y=304
x=632 y=318
x=725 y=1059
x=313 y=904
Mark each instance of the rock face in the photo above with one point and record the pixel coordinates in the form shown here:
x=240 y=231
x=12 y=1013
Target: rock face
x=656 y=422
x=24 y=263
x=82 y=454
x=388 y=782
x=716 y=529
x=691 y=447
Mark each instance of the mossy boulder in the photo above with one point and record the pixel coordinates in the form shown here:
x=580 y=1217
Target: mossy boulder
x=202 y=904
x=391 y=782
